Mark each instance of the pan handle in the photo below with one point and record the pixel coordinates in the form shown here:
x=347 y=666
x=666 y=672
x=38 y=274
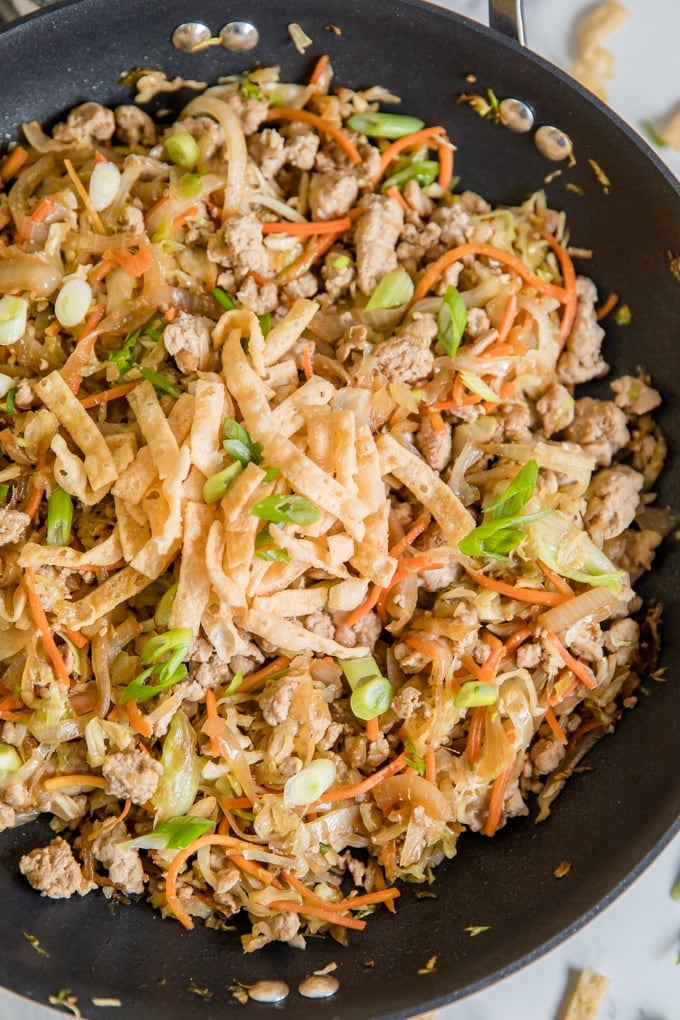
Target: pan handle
x=507 y=17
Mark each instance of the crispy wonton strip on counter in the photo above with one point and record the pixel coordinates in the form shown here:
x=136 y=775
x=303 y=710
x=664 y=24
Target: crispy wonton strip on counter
x=67 y=409
x=587 y=997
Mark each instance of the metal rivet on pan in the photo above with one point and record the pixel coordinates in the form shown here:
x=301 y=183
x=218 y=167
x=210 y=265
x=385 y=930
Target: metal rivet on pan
x=239 y=36
x=268 y=991
x=190 y=36
x=516 y=115
x=319 y=986
x=553 y=143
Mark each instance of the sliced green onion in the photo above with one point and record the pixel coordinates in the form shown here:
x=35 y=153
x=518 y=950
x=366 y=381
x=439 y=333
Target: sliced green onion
x=309 y=784
x=8 y=405
x=10 y=759
x=174 y=834
x=476 y=384
x=623 y=315
x=266 y=550
x=4 y=492
x=271 y=474
x=451 y=321
x=73 y=301
x=182 y=148
x=395 y=289
x=265 y=323
x=249 y=90
x=59 y=518
x=124 y=357
x=190 y=185
x=518 y=493
x=357 y=671
x=283 y=509
x=160 y=382
x=239 y=444
x=341 y=261
x=653 y=134
x=423 y=171
x=371 y=698
x=475 y=695
x=413 y=759
x=497 y=538
x=162 y=615
x=234 y=684
x=384 y=125
x=13 y=315
x=216 y=486
x=178 y=639
x=223 y=299
x=104 y=184
x=150 y=682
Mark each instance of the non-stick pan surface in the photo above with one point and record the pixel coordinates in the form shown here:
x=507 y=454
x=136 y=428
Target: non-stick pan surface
x=611 y=821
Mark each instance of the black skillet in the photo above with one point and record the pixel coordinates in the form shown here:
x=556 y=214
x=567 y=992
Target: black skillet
x=610 y=822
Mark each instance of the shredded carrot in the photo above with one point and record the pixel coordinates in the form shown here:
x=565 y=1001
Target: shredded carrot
x=308 y=228
x=94 y=216
x=75 y=637
x=381 y=884
x=74 y=779
x=500 y=788
x=579 y=669
x=516 y=639
x=395 y=193
x=182 y=218
x=235 y=803
x=569 y=279
x=45 y=634
x=586 y=727
x=414 y=564
x=505 y=390
x=608 y=306
x=74 y=384
x=432 y=650
x=255 y=870
x=556 y=581
x=215 y=839
x=82 y=352
x=112 y=822
x=462 y=398
x=13 y=163
x=135 y=265
x=383 y=593
x=11 y=703
x=365 y=607
x=321 y=124
x=170 y=314
x=253 y=679
x=435 y=270
x=445 y=175
x=507 y=318
x=95 y=399
x=407 y=142
x=430 y=765
x=323 y=914
x=436 y=421
x=100 y=271
x=348 y=903
x=307 y=367
x=473 y=747
x=37 y=485
x=41 y=210
x=557 y=730
x=421 y=525
x=137 y=720
x=319 y=69
x=358 y=789
x=99 y=157
x=373 y=729
x=157 y=205
x=534 y=595
x=315 y=248
x=212 y=713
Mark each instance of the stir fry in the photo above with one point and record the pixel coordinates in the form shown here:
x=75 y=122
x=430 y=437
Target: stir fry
x=311 y=558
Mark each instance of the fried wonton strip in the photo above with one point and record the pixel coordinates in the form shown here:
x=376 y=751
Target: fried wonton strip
x=587 y=997
x=311 y=481
x=65 y=406
x=309 y=552
x=319 y=436
x=223 y=634
x=118 y=588
x=193 y=587
x=250 y=328
x=173 y=487
x=288 y=417
x=293 y=602
x=123 y=449
x=155 y=428
x=105 y=554
x=240 y=495
x=192 y=488
x=286 y=333
x=147 y=559
x=277 y=577
x=343 y=431
x=133 y=533
x=347 y=595
x=368 y=470
x=245 y=386
x=228 y=593
x=206 y=439
x=137 y=477
x=373 y=563
x=427 y=487
x=292 y=637
x=69 y=469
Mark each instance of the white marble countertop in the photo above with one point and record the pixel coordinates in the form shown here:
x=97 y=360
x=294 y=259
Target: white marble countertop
x=636 y=940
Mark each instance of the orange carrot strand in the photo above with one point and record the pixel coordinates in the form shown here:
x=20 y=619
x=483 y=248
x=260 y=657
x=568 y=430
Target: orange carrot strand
x=373 y=729
x=322 y=913
x=473 y=747
x=407 y=142
x=357 y=789
x=394 y=192
x=95 y=399
x=430 y=765
x=578 y=668
x=308 y=228
x=137 y=720
x=569 y=279
x=41 y=623
x=533 y=595
x=557 y=730
x=608 y=306
x=498 y=792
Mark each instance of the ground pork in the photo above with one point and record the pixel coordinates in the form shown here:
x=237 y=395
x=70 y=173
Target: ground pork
x=613 y=498
x=599 y=426
x=251 y=112
x=54 y=871
x=13 y=525
x=406 y=357
x=528 y=655
x=434 y=444
x=302 y=146
x=421 y=203
x=477 y=323
x=332 y=195
x=86 y=124
x=207 y=132
x=633 y=550
x=134 y=126
x=454 y=222
x=132 y=774
x=516 y=419
x=406 y=702
x=124 y=864
x=267 y=149
x=581 y=359
x=276 y=699
x=338 y=278
x=555 y=408
x=365 y=632
x=417 y=240
x=376 y=235
x=188 y=340
x=546 y=755
x=238 y=246
x=584 y=639
x=622 y=638
x=634 y=396
x=258 y=298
